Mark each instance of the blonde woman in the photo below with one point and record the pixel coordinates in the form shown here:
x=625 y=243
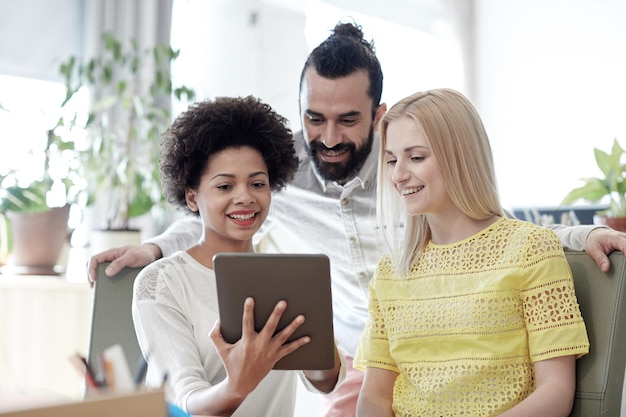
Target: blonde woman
x=471 y=313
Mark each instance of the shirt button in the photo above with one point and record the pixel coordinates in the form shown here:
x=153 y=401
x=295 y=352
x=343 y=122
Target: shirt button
x=362 y=274
x=345 y=201
x=352 y=239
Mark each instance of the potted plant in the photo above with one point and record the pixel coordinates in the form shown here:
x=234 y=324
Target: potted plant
x=611 y=185
x=34 y=213
x=131 y=91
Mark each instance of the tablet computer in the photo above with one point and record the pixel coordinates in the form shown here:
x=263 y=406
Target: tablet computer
x=303 y=280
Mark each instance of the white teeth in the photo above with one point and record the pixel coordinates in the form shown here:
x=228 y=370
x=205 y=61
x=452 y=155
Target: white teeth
x=412 y=190
x=241 y=216
x=333 y=153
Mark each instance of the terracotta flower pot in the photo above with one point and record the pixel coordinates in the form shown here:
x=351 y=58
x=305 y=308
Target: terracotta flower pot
x=38 y=240
x=617 y=223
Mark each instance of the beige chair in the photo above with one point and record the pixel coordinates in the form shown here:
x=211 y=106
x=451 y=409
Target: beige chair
x=602 y=299
x=111 y=318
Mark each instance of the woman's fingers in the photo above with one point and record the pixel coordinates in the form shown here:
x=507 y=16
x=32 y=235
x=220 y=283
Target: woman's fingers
x=269 y=331
x=247 y=320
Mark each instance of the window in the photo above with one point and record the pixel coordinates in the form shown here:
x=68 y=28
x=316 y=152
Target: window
x=30 y=108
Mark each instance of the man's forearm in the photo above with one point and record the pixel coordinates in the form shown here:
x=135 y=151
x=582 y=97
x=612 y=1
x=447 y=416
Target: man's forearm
x=572 y=237
x=181 y=235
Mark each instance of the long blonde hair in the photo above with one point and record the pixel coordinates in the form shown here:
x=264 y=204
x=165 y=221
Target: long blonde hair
x=461 y=147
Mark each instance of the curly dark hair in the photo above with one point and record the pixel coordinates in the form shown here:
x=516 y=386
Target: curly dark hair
x=207 y=127
x=343 y=53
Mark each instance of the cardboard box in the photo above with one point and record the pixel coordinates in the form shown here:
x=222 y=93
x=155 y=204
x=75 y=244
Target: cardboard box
x=140 y=404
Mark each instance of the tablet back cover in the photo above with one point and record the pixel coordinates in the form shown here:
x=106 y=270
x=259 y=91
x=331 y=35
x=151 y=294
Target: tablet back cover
x=303 y=280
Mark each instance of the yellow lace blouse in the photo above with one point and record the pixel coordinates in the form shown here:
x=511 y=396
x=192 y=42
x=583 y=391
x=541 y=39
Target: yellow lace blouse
x=465 y=326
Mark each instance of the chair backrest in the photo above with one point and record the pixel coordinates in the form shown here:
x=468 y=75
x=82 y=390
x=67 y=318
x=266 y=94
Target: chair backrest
x=111 y=317
x=602 y=300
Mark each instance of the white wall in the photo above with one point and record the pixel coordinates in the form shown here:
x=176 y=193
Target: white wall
x=37 y=34
x=550 y=84
x=240 y=47
x=258 y=47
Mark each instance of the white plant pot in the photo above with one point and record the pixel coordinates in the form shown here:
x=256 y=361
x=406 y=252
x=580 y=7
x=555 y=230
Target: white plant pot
x=101 y=240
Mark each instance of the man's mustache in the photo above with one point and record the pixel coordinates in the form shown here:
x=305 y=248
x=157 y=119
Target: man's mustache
x=319 y=146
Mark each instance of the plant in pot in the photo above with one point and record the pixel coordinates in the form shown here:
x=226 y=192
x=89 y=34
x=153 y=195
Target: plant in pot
x=131 y=91
x=611 y=185
x=34 y=213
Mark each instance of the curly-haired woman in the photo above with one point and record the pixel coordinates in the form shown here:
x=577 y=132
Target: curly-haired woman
x=220 y=160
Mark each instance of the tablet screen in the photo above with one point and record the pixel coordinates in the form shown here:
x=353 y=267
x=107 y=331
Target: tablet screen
x=303 y=280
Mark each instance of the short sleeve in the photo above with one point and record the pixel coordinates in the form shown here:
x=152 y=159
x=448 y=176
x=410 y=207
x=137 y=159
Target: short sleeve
x=553 y=320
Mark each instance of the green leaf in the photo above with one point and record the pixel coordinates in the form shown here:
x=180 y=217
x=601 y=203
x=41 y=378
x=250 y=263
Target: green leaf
x=603 y=160
x=592 y=191
x=620 y=187
x=28 y=200
x=141 y=205
x=126 y=117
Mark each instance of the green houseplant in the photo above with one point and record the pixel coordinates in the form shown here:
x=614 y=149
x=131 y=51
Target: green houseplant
x=33 y=196
x=611 y=185
x=34 y=213
x=131 y=91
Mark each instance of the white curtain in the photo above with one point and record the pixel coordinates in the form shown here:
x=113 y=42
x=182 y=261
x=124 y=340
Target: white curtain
x=461 y=13
x=148 y=21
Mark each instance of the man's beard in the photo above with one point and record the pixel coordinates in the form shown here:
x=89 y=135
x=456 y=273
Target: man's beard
x=340 y=172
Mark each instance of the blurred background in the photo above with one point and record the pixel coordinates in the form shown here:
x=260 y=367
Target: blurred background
x=546 y=75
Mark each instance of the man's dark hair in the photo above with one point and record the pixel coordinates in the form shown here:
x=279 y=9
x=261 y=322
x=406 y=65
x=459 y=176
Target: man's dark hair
x=343 y=53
